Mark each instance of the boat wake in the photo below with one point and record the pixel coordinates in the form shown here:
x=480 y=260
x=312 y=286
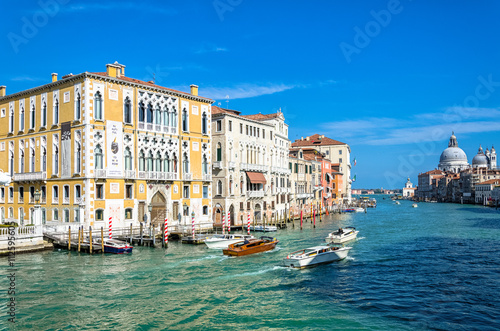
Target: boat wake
x=360 y=238
x=350 y=258
x=254 y=273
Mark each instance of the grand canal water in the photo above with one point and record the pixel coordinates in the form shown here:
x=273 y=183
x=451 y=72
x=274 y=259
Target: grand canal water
x=432 y=267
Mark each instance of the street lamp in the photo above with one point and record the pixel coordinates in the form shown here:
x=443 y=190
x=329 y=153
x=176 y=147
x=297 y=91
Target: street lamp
x=37 y=195
x=150 y=208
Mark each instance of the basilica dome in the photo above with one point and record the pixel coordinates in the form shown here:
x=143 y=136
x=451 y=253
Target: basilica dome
x=480 y=160
x=453 y=159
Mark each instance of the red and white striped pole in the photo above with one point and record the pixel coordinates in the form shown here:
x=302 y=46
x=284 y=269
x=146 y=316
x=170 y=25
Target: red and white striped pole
x=110 y=228
x=192 y=222
x=166 y=231
x=228 y=222
x=248 y=224
x=223 y=223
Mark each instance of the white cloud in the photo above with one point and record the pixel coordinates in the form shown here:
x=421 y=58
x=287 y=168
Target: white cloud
x=123 y=5
x=243 y=91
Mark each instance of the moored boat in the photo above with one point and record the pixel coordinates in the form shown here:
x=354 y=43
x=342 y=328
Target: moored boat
x=349 y=210
x=220 y=241
x=360 y=210
x=251 y=246
x=398 y=203
x=414 y=205
x=314 y=256
x=342 y=235
x=116 y=246
x=262 y=228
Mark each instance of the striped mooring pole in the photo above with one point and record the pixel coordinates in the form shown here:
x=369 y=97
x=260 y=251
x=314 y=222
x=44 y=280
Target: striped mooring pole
x=223 y=223
x=228 y=222
x=166 y=231
x=248 y=224
x=110 y=228
x=192 y=222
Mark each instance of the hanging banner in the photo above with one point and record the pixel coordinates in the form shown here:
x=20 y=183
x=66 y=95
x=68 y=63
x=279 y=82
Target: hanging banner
x=66 y=149
x=114 y=150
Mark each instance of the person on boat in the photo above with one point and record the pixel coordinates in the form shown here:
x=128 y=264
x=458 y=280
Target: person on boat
x=246 y=242
x=341 y=231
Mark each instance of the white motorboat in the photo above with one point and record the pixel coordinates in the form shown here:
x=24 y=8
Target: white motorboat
x=414 y=205
x=398 y=203
x=342 y=235
x=221 y=241
x=313 y=256
x=261 y=228
x=360 y=210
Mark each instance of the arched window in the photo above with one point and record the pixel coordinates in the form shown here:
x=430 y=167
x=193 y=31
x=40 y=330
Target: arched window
x=166 y=165
x=204 y=123
x=55 y=215
x=128 y=159
x=149 y=113
x=219 y=152
x=44 y=159
x=241 y=185
x=205 y=210
x=2 y=214
x=98 y=157
x=56 y=111
x=32 y=159
x=128 y=213
x=11 y=164
x=32 y=117
x=166 y=117
x=21 y=216
x=173 y=118
x=78 y=157
x=158 y=162
x=184 y=120
x=142 y=161
x=185 y=163
x=230 y=185
x=21 y=120
x=150 y=161
x=21 y=160
x=174 y=163
x=204 y=165
x=78 y=107
x=11 y=120
x=141 y=112
x=158 y=115
x=99 y=215
x=127 y=111
x=219 y=187
x=98 y=106
x=66 y=215
x=55 y=163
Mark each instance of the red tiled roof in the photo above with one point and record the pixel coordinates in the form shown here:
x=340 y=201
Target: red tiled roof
x=315 y=140
x=262 y=117
x=219 y=110
x=137 y=81
x=490 y=182
x=434 y=172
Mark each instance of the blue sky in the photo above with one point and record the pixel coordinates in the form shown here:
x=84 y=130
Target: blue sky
x=390 y=78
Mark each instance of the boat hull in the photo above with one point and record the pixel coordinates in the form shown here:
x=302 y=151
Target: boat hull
x=312 y=261
x=335 y=239
x=254 y=246
x=260 y=228
x=222 y=243
x=117 y=250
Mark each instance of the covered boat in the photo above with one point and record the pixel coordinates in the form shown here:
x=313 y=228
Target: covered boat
x=220 y=241
x=342 y=235
x=116 y=246
x=314 y=256
x=262 y=228
x=251 y=246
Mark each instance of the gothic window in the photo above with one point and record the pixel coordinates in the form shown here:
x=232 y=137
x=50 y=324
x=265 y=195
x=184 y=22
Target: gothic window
x=204 y=123
x=219 y=187
x=32 y=117
x=32 y=159
x=21 y=120
x=98 y=106
x=21 y=160
x=150 y=161
x=149 y=113
x=173 y=118
x=219 y=152
x=158 y=115
x=98 y=157
x=78 y=107
x=127 y=111
x=166 y=117
x=184 y=120
x=11 y=120
x=166 y=167
x=44 y=115
x=78 y=157
x=185 y=163
x=204 y=165
x=128 y=159
x=174 y=165
x=141 y=112
x=55 y=157
x=142 y=162
x=158 y=162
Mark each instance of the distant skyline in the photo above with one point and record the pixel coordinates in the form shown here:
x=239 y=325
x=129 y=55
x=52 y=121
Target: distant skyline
x=392 y=79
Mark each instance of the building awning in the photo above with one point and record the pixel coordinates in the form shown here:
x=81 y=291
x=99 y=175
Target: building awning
x=256 y=177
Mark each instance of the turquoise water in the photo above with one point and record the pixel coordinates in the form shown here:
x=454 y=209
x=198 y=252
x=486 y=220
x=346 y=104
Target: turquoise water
x=432 y=267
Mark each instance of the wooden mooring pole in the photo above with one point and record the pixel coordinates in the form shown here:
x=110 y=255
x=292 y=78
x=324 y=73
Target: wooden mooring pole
x=102 y=240
x=80 y=235
x=69 y=238
x=90 y=239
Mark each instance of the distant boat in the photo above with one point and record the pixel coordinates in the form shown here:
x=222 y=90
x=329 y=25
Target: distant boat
x=342 y=235
x=116 y=246
x=262 y=228
x=349 y=210
x=220 y=241
x=360 y=210
x=398 y=203
x=251 y=246
x=414 y=205
x=314 y=256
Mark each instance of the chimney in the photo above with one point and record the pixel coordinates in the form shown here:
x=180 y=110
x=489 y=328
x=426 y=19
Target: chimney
x=194 y=89
x=2 y=90
x=301 y=138
x=307 y=138
x=54 y=77
x=115 y=70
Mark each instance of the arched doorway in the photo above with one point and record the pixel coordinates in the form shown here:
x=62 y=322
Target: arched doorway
x=159 y=210
x=257 y=214
x=218 y=214
x=231 y=215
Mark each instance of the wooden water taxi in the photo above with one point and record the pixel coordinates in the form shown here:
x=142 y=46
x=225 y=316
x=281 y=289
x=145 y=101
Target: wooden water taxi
x=251 y=246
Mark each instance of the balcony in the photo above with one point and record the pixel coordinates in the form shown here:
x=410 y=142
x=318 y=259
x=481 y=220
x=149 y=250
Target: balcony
x=217 y=165
x=280 y=170
x=152 y=175
x=172 y=175
x=187 y=176
x=55 y=200
x=30 y=176
x=173 y=130
x=130 y=174
x=253 y=167
x=66 y=200
x=231 y=165
x=143 y=175
x=207 y=177
x=303 y=195
x=100 y=173
x=255 y=194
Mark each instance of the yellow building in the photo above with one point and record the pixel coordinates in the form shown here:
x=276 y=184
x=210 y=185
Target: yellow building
x=102 y=145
